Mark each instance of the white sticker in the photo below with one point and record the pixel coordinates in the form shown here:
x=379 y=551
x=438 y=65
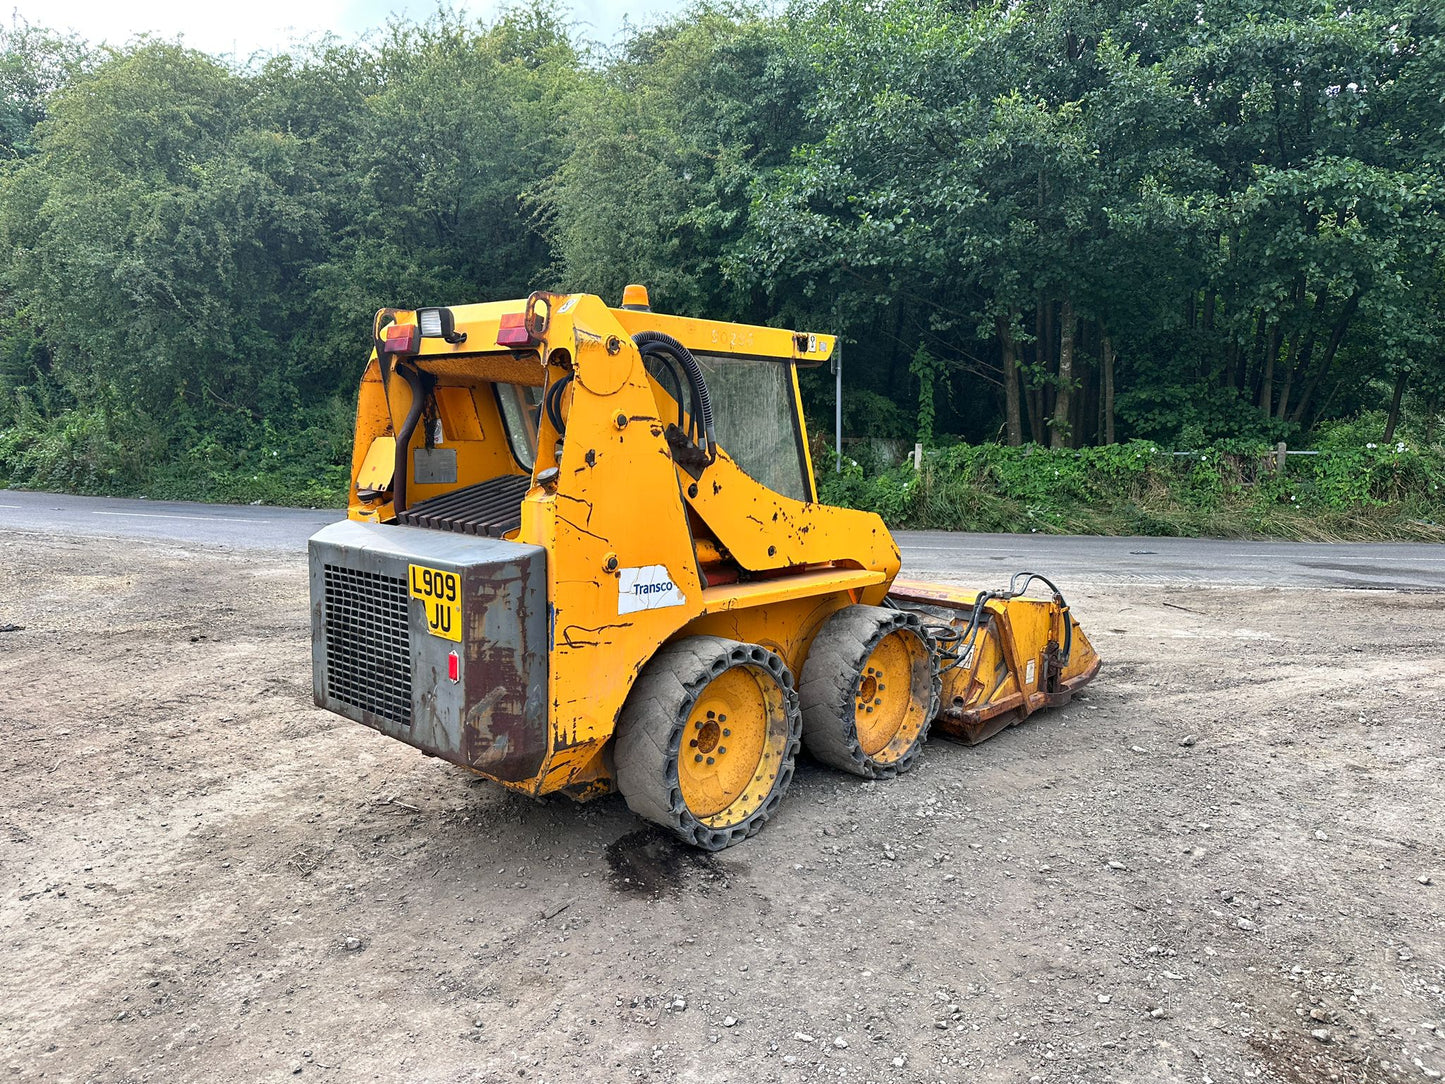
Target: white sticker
x=569 y=304
x=646 y=588
x=1029 y=673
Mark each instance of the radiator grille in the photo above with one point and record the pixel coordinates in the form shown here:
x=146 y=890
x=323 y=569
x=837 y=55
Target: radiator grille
x=368 y=642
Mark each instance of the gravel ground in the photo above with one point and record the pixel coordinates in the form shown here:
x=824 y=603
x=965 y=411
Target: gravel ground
x=1223 y=863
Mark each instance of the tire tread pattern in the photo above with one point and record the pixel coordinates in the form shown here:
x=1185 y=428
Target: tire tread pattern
x=651 y=726
x=829 y=685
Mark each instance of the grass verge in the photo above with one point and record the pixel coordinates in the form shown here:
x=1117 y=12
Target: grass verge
x=1351 y=490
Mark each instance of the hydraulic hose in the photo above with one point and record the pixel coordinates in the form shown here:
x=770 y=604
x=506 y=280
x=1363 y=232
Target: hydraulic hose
x=414 y=381
x=1029 y=577
x=666 y=366
x=950 y=639
x=656 y=343
x=552 y=400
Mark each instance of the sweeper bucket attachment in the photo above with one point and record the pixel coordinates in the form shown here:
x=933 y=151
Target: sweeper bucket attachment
x=1002 y=655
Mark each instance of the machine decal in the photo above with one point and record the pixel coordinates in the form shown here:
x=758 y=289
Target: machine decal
x=440 y=593
x=647 y=588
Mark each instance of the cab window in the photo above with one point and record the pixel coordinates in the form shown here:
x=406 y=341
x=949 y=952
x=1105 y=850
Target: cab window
x=755 y=415
x=521 y=407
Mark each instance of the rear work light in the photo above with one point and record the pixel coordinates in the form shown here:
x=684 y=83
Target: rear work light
x=439 y=324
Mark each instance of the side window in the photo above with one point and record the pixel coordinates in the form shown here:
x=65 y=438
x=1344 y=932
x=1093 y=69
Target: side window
x=521 y=406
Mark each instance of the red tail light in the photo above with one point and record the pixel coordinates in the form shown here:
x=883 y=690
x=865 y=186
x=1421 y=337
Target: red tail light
x=454 y=667
x=402 y=338
x=512 y=330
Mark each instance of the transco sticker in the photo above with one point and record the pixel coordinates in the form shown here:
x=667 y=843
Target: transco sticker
x=646 y=588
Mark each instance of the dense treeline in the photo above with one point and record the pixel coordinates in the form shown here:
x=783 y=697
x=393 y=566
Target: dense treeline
x=1070 y=223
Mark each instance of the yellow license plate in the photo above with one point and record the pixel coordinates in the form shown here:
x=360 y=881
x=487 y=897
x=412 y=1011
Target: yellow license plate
x=441 y=595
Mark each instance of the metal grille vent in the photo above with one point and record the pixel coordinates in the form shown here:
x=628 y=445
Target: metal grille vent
x=368 y=642
x=487 y=508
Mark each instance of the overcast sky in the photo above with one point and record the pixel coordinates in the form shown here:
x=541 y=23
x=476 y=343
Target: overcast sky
x=219 y=26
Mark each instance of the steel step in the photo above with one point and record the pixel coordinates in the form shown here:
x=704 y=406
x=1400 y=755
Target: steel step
x=490 y=508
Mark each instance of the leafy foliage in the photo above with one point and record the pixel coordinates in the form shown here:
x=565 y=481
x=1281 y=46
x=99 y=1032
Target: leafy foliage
x=1351 y=488
x=1071 y=223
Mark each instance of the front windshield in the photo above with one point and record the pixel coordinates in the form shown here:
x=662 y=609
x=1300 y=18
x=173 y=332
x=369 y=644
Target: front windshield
x=755 y=420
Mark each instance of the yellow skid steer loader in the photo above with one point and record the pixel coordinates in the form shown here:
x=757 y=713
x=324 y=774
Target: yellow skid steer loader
x=584 y=553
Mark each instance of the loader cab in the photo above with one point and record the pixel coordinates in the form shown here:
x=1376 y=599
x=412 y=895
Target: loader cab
x=752 y=376
x=758 y=414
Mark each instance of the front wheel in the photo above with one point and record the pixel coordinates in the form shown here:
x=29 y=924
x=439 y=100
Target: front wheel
x=870 y=690
x=707 y=739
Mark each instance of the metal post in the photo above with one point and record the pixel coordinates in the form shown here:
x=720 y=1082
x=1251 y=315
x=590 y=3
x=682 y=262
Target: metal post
x=838 y=405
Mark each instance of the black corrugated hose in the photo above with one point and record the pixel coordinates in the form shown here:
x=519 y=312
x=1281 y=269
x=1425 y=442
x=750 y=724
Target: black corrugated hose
x=657 y=343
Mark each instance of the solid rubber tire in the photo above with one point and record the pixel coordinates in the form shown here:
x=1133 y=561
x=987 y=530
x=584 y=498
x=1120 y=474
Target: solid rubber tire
x=651 y=725
x=830 y=679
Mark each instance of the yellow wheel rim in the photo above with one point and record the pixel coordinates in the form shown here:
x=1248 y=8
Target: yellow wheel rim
x=732 y=745
x=889 y=706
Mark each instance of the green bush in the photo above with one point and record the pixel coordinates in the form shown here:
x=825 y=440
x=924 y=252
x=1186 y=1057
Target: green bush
x=891 y=493
x=237 y=459
x=1353 y=487
x=1354 y=469
x=84 y=450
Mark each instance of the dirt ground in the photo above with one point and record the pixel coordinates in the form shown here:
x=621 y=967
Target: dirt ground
x=1223 y=863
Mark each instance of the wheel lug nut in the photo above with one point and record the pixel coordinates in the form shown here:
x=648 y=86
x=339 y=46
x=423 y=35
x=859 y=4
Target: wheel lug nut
x=727 y=733
x=693 y=743
x=721 y=749
x=709 y=760
x=878 y=700
x=722 y=718
x=697 y=758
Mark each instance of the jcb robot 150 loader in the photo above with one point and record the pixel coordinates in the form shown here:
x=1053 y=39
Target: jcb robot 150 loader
x=584 y=552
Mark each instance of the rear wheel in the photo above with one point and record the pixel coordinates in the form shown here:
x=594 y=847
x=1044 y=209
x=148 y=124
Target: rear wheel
x=869 y=691
x=706 y=741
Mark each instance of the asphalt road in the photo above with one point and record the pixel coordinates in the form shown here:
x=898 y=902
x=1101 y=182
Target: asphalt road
x=236 y=526
x=985 y=559
x=1406 y=566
